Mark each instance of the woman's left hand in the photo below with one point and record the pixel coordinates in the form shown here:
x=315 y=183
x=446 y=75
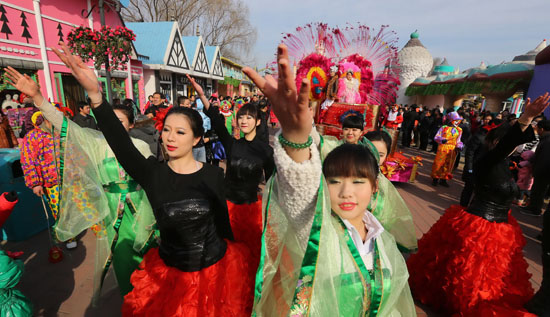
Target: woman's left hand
x=533 y=109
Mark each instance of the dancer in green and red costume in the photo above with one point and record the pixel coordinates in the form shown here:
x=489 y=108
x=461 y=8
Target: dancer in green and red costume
x=197 y=270
x=249 y=161
x=324 y=253
x=97 y=193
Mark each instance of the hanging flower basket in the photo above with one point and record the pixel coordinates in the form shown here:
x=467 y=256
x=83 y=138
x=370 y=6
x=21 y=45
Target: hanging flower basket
x=112 y=44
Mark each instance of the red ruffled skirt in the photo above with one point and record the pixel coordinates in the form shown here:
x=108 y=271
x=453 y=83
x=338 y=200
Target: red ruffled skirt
x=222 y=289
x=469 y=266
x=246 y=223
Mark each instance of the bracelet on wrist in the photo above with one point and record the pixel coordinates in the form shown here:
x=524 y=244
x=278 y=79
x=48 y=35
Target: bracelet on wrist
x=287 y=143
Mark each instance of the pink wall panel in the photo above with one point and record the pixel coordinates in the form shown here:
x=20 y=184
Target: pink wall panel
x=27 y=4
x=52 y=31
x=17 y=30
x=68 y=11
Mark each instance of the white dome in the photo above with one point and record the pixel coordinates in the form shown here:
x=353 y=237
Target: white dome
x=415 y=61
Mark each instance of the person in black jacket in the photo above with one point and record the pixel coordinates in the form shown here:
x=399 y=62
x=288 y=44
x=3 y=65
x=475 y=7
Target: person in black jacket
x=436 y=125
x=466 y=134
x=409 y=117
x=158 y=103
x=541 y=170
x=262 y=130
x=426 y=122
x=83 y=117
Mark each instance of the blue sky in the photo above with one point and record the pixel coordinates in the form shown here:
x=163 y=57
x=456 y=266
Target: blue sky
x=464 y=31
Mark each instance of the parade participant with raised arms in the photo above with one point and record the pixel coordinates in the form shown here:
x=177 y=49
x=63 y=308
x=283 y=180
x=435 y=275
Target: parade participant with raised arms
x=120 y=215
x=323 y=253
x=249 y=160
x=471 y=260
x=196 y=270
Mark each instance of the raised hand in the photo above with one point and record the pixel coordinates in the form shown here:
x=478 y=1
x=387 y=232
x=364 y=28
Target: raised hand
x=200 y=92
x=23 y=83
x=83 y=74
x=533 y=109
x=290 y=105
x=196 y=86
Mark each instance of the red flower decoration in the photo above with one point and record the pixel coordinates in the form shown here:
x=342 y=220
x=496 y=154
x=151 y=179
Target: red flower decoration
x=103 y=44
x=159 y=118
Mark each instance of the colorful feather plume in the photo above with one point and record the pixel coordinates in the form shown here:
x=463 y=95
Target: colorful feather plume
x=373 y=52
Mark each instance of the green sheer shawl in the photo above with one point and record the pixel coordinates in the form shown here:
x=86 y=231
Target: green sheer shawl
x=328 y=277
x=87 y=202
x=387 y=204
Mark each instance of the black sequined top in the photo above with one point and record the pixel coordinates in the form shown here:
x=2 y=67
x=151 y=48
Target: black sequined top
x=247 y=162
x=495 y=188
x=190 y=209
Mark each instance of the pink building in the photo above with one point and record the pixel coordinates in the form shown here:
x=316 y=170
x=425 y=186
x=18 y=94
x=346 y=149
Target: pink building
x=29 y=28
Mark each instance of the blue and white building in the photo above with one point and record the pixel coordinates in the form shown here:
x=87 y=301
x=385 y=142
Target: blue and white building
x=173 y=56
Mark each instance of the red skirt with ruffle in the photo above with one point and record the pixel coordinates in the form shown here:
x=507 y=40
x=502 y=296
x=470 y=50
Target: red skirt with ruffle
x=246 y=223
x=469 y=266
x=222 y=289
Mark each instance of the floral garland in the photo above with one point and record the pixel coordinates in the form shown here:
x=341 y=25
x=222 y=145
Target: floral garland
x=106 y=44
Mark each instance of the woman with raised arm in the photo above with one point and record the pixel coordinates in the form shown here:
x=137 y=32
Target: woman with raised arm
x=196 y=270
x=471 y=260
x=120 y=214
x=249 y=160
x=323 y=252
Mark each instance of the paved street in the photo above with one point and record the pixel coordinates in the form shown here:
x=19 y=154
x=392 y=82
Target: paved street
x=65 y=289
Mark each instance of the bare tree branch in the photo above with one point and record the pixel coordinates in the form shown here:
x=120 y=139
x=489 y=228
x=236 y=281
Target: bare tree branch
x=221 y=22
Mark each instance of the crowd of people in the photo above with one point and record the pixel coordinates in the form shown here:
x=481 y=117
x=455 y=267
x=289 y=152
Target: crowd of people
x=329 y=233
